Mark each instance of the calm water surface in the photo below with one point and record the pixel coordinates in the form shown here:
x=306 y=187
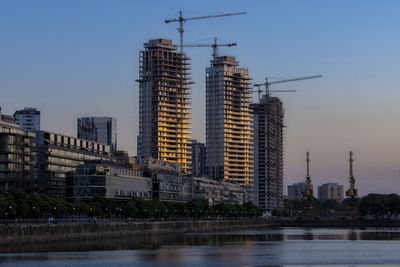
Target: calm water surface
x=270 y=247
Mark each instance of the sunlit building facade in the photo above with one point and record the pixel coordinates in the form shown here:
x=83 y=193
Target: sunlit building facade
x=228 y=122
x=164 y=104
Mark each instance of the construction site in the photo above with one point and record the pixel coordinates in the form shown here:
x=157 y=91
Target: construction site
x=244 y=137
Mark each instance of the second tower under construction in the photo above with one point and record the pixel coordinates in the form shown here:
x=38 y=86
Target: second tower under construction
x=228 y=122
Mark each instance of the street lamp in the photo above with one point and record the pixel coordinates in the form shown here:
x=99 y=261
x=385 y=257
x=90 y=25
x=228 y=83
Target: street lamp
x=36 y=212
x=11 y=211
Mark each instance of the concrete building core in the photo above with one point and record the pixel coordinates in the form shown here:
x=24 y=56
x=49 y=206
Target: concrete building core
x=268 y=152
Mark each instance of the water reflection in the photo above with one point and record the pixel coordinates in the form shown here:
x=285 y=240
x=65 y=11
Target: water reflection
x=269 y=247
x=241 y=238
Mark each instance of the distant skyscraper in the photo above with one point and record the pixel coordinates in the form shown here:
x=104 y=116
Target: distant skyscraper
x=102 y=130
x=198 y=158
x=28 y=119
x=228 y=122
x=164 y=104
x=296 y=191
x=268 y=152
x=331 y=191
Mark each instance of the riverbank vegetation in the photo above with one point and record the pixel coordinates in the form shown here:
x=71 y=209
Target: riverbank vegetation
x=371 y=206
x=19 y=204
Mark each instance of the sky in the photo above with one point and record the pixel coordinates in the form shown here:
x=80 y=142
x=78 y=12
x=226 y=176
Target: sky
x=71 y=58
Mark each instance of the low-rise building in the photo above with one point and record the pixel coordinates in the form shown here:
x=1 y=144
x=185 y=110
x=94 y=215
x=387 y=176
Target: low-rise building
x=151 y=165
x=59 y=154
x=218 y=191
x=331 y=191
x=171 y=187
x=168 y=184
x=17 y=157
x=107 y=180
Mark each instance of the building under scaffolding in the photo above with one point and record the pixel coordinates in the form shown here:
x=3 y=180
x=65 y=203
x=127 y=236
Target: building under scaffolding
x=228 y=122
x=268 y=152
x=164 y=104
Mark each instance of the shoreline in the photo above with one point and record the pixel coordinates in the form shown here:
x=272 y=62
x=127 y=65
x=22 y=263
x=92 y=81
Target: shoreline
x=22 y=234
x=19 y=237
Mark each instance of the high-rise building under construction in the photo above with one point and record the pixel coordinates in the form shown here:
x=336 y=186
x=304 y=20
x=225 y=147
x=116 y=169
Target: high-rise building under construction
x=228 y=122
x=268 y=153
x=164 y=104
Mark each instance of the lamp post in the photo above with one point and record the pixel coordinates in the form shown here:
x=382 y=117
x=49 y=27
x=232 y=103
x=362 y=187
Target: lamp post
x=5 y=217
x=55 y=214
x=11 y=212
x=36 y=213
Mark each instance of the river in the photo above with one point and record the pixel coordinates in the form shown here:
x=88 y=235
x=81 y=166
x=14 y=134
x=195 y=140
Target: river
x=269 y=247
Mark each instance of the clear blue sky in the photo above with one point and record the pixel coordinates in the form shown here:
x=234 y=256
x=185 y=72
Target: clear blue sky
x=76 y=58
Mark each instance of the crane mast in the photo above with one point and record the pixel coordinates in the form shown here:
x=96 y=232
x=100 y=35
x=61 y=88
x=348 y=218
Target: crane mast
x=181 y=20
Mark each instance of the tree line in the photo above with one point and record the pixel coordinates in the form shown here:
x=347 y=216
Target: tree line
x=18 y=204
x=372 y=206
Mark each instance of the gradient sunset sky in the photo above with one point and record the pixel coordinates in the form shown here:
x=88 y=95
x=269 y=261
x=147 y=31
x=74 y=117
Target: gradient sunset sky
x=80 y=58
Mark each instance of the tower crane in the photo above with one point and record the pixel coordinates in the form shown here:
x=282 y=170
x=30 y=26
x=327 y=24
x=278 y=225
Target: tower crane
x=182 y=20
x=214 y=46
x=267 y=84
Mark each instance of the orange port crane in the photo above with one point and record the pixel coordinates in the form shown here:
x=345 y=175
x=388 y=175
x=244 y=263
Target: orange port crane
x=182 y=20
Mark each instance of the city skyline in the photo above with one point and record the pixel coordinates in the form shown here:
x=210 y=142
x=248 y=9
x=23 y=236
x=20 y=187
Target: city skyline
x=67 y=56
